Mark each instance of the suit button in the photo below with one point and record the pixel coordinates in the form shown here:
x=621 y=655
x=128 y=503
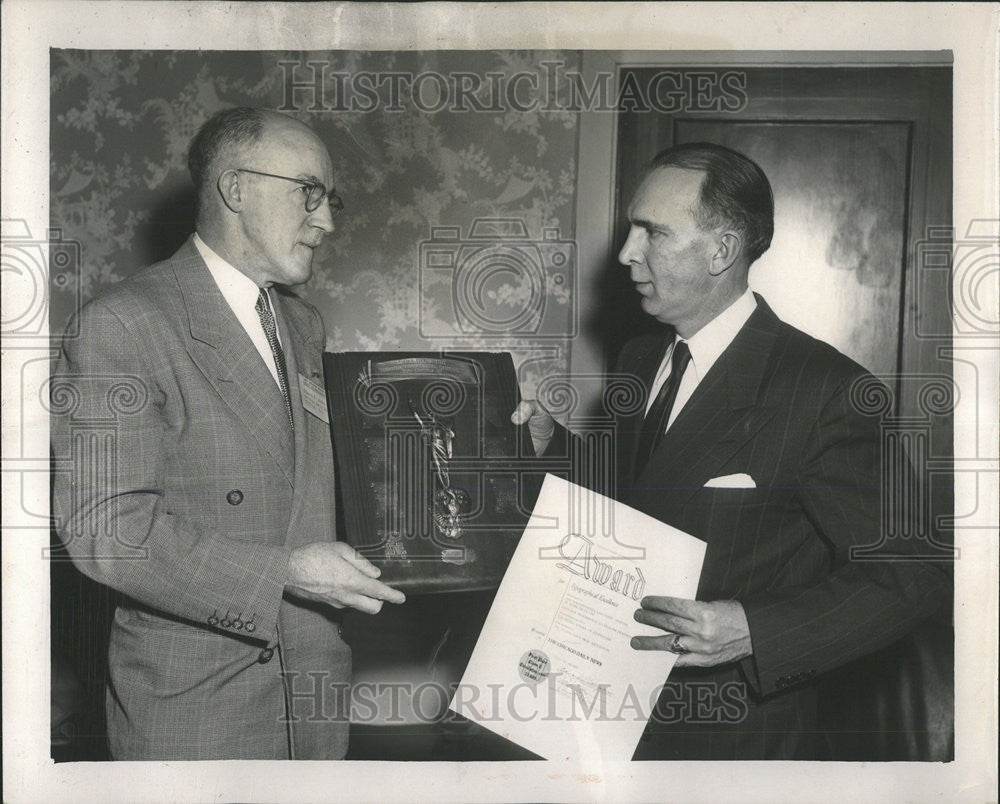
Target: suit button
x=213 y=620
x=265 y=655
x=250 y=627
x=235 y=497
x=237 y=623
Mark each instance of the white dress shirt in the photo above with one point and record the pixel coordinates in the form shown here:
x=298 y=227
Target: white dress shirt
x=240 y=293
x=706 y=345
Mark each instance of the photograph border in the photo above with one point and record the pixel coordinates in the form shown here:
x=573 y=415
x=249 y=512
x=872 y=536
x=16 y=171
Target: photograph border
x=793 y=34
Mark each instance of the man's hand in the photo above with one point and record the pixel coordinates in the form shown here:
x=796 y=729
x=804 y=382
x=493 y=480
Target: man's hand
x=336 y=574
x=708 y=633
x=541 y=425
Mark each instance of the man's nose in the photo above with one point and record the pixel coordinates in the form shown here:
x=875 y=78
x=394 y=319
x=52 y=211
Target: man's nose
x=322 y=218
x=630 y=251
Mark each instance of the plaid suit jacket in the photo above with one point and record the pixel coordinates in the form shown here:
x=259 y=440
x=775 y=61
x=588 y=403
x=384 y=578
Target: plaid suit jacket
x=777 y=406
x=188 y=493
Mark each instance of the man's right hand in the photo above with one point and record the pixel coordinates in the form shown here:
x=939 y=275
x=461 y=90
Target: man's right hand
x=335 y=573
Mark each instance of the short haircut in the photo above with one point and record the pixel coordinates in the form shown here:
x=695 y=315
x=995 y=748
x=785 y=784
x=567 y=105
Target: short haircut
x=734 y=192
x=225 y=131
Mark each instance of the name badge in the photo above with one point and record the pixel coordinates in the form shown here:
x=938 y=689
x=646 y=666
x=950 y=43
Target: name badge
x=313 y=398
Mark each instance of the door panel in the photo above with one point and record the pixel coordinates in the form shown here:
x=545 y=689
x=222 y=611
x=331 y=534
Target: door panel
x=835 y=266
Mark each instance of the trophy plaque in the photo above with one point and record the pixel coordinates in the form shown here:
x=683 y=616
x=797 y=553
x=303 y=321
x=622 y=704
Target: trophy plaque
x=428 y=463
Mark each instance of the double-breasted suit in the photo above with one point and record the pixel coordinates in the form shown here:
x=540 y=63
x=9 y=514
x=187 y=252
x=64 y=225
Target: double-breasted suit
x=190 y=503
x=777 y=407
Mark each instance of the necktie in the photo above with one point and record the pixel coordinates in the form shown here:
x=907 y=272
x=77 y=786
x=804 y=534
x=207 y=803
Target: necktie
x=271 y=332
x=655 y=423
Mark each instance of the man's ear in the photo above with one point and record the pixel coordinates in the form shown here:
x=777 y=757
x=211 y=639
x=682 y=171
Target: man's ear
x=730 y=245
x=231 y=190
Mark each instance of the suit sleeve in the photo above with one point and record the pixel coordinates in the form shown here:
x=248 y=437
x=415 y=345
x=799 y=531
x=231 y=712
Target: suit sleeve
x=109 y=504
x=871 y=597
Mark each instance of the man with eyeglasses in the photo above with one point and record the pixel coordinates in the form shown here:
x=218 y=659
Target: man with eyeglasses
x=212 y=507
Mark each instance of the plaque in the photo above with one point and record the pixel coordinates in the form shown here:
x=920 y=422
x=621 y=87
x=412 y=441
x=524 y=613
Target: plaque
x=429 y=465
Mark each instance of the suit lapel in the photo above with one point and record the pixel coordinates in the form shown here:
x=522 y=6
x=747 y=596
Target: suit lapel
x=721 y=416
x=296 y=361
x=223 y=351
x=301 y=359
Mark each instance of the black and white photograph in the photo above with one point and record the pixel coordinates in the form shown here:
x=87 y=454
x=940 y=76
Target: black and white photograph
x=500 y=403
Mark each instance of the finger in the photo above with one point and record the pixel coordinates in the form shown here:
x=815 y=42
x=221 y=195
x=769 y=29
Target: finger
x=543 y=426
x=667 y=622
x=665 y=642
x=697 y=659
x=524 y=410
x=678 y=606
x=362 y=603
x=360 y=562
x=692 y=660
x=394 y=596
x=369 y=587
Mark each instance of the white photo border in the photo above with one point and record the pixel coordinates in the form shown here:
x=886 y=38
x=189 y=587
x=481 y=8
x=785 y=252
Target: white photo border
x=768 y=30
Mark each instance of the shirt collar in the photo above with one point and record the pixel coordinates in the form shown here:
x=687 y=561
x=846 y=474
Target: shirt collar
x=709 y=342
x=239 y=290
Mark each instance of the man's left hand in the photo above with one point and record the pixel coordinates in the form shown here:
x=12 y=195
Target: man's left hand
x=706 y=634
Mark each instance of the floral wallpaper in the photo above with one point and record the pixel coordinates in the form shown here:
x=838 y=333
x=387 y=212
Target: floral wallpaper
x=458 y=223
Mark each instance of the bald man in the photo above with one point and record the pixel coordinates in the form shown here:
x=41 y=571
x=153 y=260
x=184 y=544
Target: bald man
x=211 y=508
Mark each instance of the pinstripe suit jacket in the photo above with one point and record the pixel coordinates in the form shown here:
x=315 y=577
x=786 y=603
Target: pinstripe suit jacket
x=775 y=406
x=188 y=498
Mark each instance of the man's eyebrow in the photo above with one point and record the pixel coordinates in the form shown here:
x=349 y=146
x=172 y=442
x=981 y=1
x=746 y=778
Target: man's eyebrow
x=645 y=224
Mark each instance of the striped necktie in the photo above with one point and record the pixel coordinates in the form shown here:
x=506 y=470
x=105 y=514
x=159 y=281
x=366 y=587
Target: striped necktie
x=655 y=423
x=263 y=309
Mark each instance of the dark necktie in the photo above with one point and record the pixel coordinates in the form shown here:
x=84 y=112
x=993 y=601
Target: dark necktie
x=271 y=331
x=655 y=423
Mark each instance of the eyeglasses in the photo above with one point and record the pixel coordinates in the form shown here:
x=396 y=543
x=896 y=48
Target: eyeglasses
x=316 y=192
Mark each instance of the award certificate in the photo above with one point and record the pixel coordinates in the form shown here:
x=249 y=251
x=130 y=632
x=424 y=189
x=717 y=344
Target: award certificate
x=553 y=670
